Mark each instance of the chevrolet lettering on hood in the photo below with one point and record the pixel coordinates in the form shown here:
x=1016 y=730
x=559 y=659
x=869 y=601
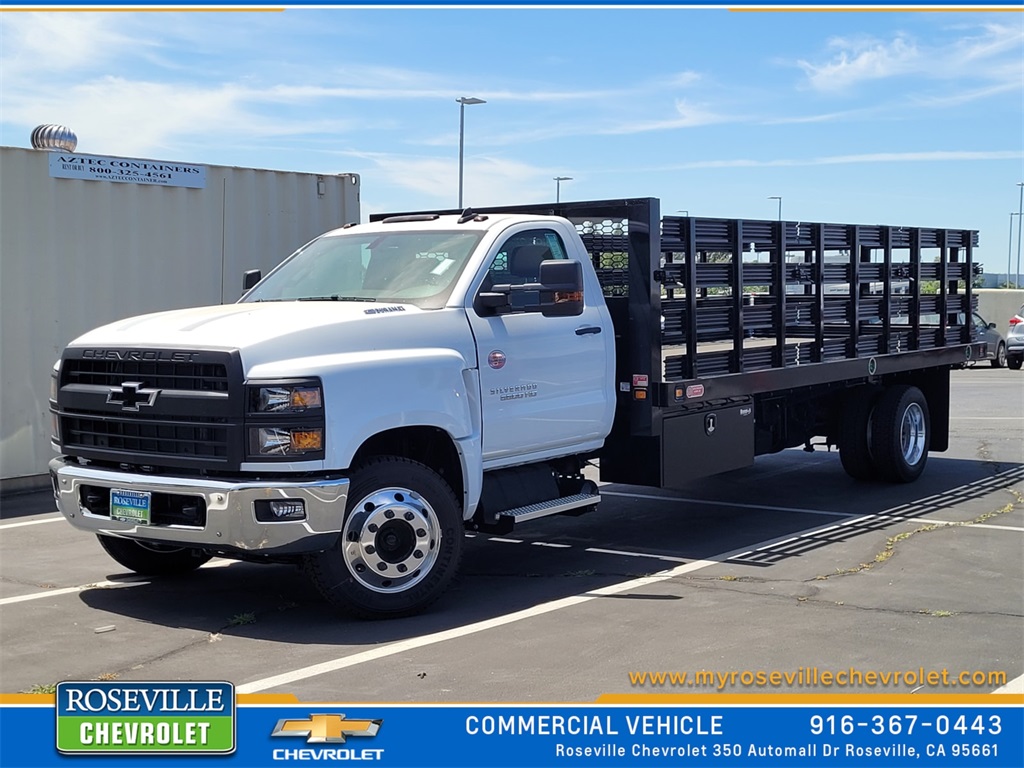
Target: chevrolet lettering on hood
x=147 y=355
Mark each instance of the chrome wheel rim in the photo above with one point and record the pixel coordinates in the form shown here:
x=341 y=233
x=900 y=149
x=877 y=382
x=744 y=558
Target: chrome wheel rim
x=391 y=540
x=912 y=434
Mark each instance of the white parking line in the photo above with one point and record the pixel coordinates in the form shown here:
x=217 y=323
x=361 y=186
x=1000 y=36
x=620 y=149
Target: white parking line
x=70 y=591
x=54 y=519
x=986 y=418
x=600 y=551
x=381 y=652
x=738 y=505
x=1014 y=686
x=131 y=581
x=968 y=524
x=343 y=662
x=288 y=678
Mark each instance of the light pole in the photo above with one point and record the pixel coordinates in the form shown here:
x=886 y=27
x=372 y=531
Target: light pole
x=1009 y=251
x=463 y=101
x=1020 y=218
x=782 y=256
x=558 y=186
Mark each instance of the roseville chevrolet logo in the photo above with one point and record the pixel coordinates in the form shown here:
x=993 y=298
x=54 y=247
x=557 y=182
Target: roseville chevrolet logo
x=131 y=395
x=326 y=729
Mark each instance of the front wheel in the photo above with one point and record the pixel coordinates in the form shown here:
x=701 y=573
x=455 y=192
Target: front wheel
x=900 y=434
x=1000 y=359
x=150 y=559
x=400 y=544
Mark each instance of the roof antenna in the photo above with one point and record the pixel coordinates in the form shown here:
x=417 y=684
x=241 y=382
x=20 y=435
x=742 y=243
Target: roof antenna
x=467 y=215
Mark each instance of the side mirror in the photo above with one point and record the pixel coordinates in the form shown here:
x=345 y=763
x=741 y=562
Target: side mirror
x=558 y=292
x=991 y=326
x=250 y=278
x=561 y=292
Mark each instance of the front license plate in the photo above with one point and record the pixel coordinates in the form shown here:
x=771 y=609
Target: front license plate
x=130 y=506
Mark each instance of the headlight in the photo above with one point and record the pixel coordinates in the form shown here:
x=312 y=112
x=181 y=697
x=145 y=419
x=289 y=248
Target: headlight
x=54 y=418
x=285 y=420
x=287 y=397
x=55 y=381
x=285 y=441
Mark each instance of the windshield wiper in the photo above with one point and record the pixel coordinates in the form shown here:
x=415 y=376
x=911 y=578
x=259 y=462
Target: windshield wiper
x=335 y=297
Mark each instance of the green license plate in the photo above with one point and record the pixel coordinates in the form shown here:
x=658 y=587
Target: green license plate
x=130 y=506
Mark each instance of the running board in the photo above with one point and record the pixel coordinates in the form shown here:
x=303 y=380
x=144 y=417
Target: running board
x=553 y=507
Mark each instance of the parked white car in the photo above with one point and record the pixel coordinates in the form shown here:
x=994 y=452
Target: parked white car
x=1015 y=340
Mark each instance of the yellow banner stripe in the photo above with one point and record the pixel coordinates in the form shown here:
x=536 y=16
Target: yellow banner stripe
x=706 y=699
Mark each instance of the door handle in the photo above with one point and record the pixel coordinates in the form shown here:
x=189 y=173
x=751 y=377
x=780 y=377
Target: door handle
x=584 y=330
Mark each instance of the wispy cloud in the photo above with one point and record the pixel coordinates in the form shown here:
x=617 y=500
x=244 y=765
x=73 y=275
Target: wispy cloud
x=487 y=179
x=990 y=54
x=859 y=60
x=874 y=157
x=54 y=43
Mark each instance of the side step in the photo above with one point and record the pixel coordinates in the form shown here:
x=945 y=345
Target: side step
x=553 y=507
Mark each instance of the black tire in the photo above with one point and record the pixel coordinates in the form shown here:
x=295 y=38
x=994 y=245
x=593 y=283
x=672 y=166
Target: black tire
x=854 y=434
x=1000 y=359
x=400 y=545
x=150 y=559
x=1014 y=363
x=900 y=434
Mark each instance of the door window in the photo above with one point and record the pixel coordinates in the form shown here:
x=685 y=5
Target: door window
x=518 y=262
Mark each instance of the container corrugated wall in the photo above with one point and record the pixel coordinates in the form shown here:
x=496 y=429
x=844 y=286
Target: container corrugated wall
x=76 y=254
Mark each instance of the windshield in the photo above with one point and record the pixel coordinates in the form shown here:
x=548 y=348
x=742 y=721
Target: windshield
x=418 y=268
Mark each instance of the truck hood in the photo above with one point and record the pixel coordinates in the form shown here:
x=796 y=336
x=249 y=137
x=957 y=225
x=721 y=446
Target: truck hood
x=272 y=332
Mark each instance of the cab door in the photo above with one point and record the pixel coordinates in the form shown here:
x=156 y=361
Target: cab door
x=546 y=382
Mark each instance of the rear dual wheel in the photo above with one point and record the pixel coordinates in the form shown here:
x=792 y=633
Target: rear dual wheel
x=900 y=434
x=885 y=435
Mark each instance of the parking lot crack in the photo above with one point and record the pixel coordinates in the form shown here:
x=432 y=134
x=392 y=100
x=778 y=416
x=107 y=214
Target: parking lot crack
x=895 y=541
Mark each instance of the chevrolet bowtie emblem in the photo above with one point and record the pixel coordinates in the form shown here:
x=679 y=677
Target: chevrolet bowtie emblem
x=321 y=729
x=131 y=395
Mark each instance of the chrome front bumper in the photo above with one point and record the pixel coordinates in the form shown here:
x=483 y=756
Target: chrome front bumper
x=231 y=524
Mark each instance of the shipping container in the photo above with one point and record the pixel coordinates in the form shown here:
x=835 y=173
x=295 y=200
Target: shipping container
x=88 y=239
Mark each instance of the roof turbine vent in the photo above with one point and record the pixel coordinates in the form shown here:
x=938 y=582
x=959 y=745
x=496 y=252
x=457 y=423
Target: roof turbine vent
x=54 y=138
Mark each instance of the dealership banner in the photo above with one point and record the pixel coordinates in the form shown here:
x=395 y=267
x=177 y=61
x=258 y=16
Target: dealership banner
x=206 y=723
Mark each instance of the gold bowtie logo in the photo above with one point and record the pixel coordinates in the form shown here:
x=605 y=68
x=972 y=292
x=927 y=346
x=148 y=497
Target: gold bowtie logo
x=323 y=729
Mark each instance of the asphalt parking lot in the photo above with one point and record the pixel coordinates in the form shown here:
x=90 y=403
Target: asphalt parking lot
x=788 y=565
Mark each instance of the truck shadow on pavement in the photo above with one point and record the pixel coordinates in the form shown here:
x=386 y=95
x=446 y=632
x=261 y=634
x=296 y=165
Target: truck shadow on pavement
x=756 y=517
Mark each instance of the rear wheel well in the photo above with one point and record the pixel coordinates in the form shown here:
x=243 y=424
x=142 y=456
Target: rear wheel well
x=429 y=446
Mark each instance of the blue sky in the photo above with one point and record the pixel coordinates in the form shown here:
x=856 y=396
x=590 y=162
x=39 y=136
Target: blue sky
x=871 y=117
